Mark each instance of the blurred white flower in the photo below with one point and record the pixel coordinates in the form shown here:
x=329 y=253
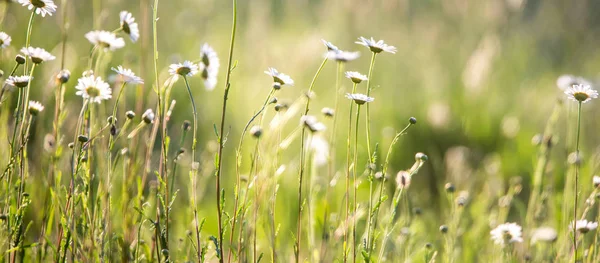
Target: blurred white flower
x=359 y=99
x=209 y=66
x=543 y=234
x=42 y=7
x=403 y=179
x=312 y=123
x=320 y=148
x=342 y=56
x=584 y=226
x=93 y=89
x=148 y=116
x=596 y=180
x=376 y=46
x=129 y=26
x=581 y=93
x=128 y=76
x=4 y=40
x=330 y=47
x=187 y=68
x=355 y=76
x=507 y=233
x=35 y=107
x=37 y=55
x=18 y=81
x=105 y=39
x=279 y=79
x=566 y=81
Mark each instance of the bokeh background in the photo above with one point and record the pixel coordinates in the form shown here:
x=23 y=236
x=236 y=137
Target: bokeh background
x=479 y=76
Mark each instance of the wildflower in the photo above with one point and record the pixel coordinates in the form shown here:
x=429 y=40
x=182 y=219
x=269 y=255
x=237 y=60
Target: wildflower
x=320 y=149
x=256 y=131
x=342 y=56
x=148 y=116
x=403 y=179
x=360 y=99
x=35 y=107
x=330 y=47
x=94 y=89
x=4 y=40
x=507 y=233
x=209 y=66
x=279 y=79
x=581 y=93
x=596 y=180
x=566 y=81
x=312 y=124
x=128 y=76
x=187 y=68
x=544 y=234
x=129 y=26
x=105 y=39
x=37 y=55
x=355 y=76
x=42 y=7
x=18 y=81
x=584 y=226
x=412 y=120
x=130 y=114
x=444 y=229
x=449 y=188
x=20 y=59
x=376 y=46
x=328 y=112
x=63 y=76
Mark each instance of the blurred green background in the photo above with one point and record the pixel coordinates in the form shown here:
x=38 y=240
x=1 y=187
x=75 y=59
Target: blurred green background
x=480 y=76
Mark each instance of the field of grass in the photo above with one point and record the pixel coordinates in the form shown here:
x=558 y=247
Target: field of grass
x=241 y=135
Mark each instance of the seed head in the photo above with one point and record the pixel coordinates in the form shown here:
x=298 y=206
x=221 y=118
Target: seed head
x=412 y=120
x=82 y=138
x=130 y=114
x=20 y=59
x=63 y=76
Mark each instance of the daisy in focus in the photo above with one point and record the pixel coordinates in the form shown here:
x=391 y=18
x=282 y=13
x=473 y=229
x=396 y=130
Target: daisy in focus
x=18 y=81
x=376 y=46
x=187 y=68
x=37 y=55
x=359 y=99
x=4 y=40
x=42 y=7
x=209 y=65
x=129 y=26
x=279 y=79
x=355 y=76
x=93 y=89
x=105 y=39
x=128 y=76
x=507 y=233
x=581 y=93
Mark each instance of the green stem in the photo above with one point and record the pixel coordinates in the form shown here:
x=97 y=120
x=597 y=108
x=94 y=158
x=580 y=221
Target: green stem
x=371 y=66
x=348 y=167
x=28 y=37
x=577 y=164
x=354 y=184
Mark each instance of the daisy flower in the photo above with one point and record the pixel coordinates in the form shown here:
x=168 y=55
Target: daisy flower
x=94 y=89
x=544 y=234
x=596 y=180
x=209 y=66
x=328 y=112
x=566 y=81
x=148 y=116
x=581 y=93
x=360 y=99
x=376 y=46
x=4 y=40
x=312 y=123
x=18 y=81
x=342 y=56
x=37 y=55
x=279 y=79
x=35 y=107
x=105 y=39
x=129 y=26
x=507 y=233
x=403 y=179
x=42 y=7
x=330 y=47
x=320 y=148
x=355 y=76
x=584 y=226
x=128 y=76
x=187 y=68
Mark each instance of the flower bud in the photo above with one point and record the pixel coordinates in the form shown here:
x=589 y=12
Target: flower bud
x=20 y=59
x=63 y=76
x=130 y=114
x=412 y=120
x=82 y=138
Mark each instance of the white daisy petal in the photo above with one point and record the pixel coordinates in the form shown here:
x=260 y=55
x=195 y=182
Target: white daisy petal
x=42 y=7
x=93 y=88
x=279 y=79
x=128 y=76
x=355 y=76
x=105 y=39
x=359 y=99
x=35 y=107
x=4 y=40
x=581 y=93
x=18 y=81
x=187 y=68
x=129 y=26
x=209 y=65
x=37 y=55
x=342 y=56
x=376 y=46
x=507 y=233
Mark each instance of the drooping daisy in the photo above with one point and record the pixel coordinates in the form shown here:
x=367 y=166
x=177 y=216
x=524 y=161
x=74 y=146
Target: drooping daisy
x=209 y=66
x=355 y=76
x=129 y=26
x=105 y=39
x=42 y=7
x=312 y=123
x=566 y=81
x=376 y=46
x=279 y=79
x=581 y=93
x=359 y=99
x=128 y=76
x=342 y=56
x=35 y=107
x=93 y=88
x=18 y=81
x=329 y=45
x=507 y=233
x=584 y=226
x=187 y=68
x=403 y=179
x=37 y=55
x=4 y=40
x=148 y=116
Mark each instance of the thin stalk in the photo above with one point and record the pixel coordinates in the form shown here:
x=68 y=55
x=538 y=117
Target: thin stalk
x=371 y=66
x=576 y=179
x=12 y=72
x=348 y=167
x=28 y=37
x=354 y=184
